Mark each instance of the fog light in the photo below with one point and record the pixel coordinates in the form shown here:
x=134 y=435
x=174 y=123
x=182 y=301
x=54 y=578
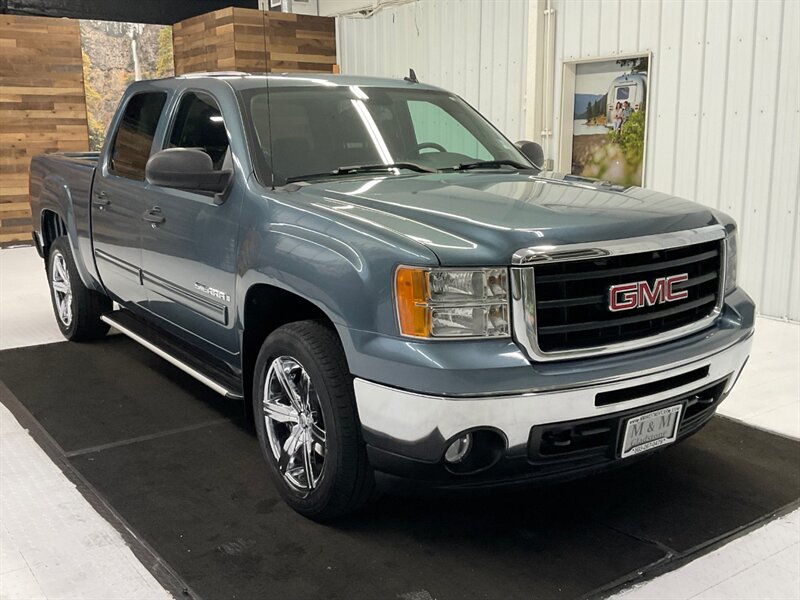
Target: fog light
x=458 y=450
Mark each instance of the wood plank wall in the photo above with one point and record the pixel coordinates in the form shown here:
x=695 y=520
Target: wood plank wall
x=242 y=39
x=42 y=101
x=204 y=43
x=42 y=107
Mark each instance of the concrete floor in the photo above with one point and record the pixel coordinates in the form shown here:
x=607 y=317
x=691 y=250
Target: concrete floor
x=53 y=544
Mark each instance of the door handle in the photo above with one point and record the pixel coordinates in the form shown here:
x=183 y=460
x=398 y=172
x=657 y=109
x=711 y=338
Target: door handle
x=100 y=200
x=154 y=216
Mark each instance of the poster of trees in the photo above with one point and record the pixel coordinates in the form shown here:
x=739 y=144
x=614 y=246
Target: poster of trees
x=608 y=128
x=114 y=55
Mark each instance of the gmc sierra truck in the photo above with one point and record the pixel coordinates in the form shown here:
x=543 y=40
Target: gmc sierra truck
x=399 y=292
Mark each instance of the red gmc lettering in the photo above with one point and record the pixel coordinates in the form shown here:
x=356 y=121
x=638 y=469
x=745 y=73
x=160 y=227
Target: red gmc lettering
x=671 y=296
x=626 y=296
x=648 y=296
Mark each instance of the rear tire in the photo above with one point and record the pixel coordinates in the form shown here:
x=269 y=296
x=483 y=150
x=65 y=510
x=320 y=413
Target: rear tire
x=308 y=428
x=77 y=308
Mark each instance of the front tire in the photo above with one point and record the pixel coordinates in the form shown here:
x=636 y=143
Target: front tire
x=77 y=308
x=307 y=423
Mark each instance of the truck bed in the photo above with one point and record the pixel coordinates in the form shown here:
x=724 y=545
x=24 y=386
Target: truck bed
x=89 y=158
x=53 y=175
x=61 y=185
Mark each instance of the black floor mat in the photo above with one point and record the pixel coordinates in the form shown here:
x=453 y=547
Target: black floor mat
x=179 y=464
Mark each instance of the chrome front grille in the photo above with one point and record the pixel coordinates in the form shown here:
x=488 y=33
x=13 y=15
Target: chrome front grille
x=562 y=294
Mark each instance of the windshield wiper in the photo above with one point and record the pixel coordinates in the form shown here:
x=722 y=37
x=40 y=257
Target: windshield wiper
x=356 y=169
x=491 y=164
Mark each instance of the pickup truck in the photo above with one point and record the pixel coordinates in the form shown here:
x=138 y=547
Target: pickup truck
x=400 y=294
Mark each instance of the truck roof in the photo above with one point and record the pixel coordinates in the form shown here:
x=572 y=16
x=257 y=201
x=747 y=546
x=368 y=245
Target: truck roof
x=241 y=81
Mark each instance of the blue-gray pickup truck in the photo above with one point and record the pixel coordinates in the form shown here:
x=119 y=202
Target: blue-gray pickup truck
x=399 y=292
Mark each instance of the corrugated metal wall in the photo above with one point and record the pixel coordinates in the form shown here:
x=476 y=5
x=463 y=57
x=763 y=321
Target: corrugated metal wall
x=475 y=48
x=724 y=106
x=724 y=115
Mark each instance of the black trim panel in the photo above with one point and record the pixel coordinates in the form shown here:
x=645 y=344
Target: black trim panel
x=650 y=389
x=601 y=274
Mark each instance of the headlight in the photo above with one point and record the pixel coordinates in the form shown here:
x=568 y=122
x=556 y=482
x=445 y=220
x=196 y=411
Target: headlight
x=731 y=260
x=450 y=303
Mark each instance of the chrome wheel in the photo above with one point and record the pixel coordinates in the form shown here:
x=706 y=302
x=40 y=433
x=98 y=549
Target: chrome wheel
x=62 y=292
x=294 y=423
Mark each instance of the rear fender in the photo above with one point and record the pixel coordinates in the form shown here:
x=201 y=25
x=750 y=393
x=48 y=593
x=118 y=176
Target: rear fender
x=56 y=197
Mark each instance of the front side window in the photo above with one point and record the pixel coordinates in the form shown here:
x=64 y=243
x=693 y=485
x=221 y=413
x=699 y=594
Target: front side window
x=134 y=138
x=199 y=124
x=318 y=129
x=438 y=131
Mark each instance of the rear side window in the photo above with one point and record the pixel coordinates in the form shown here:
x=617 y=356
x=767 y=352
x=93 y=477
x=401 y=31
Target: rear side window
x=134 y=137
x=199 y=124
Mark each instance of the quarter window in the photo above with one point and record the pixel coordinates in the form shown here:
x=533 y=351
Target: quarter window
x=134 y=138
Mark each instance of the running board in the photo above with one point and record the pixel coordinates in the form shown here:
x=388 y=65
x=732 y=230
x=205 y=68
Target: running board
x=127 y=325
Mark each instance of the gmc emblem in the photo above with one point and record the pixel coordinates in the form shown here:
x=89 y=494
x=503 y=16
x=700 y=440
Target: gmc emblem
x=627 y=296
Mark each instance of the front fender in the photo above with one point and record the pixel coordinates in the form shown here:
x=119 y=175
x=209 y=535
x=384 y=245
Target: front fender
x=344 y=270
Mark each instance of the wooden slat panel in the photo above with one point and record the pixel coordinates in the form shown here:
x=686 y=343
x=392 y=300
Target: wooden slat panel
x=42 y=107
x=244 y=39
x=203 y=42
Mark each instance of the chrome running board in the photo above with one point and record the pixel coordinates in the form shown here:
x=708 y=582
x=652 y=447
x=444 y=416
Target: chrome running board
x=189 y=370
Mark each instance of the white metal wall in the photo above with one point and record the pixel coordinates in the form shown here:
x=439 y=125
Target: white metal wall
x=724 y=115
x=724 y=106
x=475 y=48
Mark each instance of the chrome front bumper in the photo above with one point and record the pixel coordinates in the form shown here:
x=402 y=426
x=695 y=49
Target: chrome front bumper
x=418 y=426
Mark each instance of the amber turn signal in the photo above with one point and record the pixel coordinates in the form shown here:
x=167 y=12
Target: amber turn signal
x=411 y=292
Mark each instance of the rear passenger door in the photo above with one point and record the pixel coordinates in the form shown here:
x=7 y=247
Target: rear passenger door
x=118 y=198
x=189 y=259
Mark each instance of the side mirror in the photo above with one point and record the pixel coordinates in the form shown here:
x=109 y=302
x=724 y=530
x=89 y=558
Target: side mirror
x=186 y=169
x=533 y=152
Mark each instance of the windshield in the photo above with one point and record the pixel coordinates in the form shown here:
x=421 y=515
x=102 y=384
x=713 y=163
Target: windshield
x=320 y=129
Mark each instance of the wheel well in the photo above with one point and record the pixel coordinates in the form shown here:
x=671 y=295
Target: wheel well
x=266 y=308
x=52 y=227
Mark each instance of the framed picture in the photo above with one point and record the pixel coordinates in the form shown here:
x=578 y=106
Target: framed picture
x=116 y=54
x=604 y=124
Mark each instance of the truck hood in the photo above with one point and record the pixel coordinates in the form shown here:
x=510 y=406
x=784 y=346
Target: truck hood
x=483 y=218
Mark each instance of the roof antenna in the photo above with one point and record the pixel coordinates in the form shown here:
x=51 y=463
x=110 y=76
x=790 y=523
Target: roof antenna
x=412 y=77
x=269 y=106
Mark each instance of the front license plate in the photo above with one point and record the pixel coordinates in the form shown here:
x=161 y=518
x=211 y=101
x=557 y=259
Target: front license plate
x=652 y=430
